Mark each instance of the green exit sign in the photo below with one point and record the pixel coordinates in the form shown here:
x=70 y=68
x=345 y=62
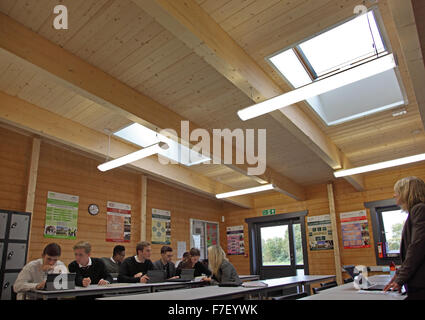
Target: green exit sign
x=269 y=212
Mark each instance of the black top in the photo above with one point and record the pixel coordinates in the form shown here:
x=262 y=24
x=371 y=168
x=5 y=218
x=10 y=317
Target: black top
x=129 y=267
x=199 y=267
x=95 y=272
x=412 y=248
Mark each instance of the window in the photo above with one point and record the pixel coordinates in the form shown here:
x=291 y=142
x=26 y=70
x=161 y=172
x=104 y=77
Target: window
x=202 y=235
x=345 y=46
x=387 y=223
x=275 y=246
x=299 y=258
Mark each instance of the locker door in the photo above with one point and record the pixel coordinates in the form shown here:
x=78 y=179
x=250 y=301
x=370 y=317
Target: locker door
x=1 y=253
x=15 y=258
x=9 y=280
x=19 y=227
x=3 y=222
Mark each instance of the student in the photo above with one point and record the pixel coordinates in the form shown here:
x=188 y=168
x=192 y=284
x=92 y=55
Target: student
x=410 y=196
x=88 y=270
x=222 y=270
x=134 y=269
x=192 y=262
x=165 y=262
x=185 y=256
x=113 y=264
x=34 y=274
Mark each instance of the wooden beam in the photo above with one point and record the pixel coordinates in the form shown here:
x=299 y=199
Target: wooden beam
x=48 y=124
x=144 y=185
x=96 y=85
x=192 y=25
x=32 y=182
x=335 y=238
x=407 y=34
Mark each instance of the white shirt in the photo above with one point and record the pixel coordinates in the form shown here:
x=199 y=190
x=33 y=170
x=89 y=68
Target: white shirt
x=88 y=264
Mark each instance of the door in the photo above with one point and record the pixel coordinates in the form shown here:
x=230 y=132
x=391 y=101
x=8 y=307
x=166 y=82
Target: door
x=276 y=250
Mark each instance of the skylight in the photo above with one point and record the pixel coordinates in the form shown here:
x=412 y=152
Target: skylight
x=346 y=46
x=145 y=137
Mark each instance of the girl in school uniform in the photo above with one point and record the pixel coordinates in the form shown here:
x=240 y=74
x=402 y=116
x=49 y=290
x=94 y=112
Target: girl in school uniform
x=222 y=270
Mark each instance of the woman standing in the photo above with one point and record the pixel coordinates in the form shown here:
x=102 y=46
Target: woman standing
x=222 y=270
x=410 y=196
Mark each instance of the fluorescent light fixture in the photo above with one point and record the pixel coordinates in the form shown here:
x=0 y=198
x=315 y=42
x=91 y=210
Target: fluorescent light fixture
x=245 y=191
x=379 y=166
x=146 y=152
x=319 y=87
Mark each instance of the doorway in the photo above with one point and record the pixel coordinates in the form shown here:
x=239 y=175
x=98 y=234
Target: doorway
x=278 y=246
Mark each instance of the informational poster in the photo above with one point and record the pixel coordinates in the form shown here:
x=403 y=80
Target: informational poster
x=118 y=222
x=212 y=237
x=61 y=216
x=235 y=240
x=355 y=230
x=320 y=232
x=181 y=249
x=161 y=226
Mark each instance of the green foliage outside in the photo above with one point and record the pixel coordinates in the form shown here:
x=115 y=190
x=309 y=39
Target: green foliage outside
x=394 y=241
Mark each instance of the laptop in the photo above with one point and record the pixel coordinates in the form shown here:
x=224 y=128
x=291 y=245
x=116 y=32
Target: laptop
x=156 y=276
x=185 y=276
x=60 y=281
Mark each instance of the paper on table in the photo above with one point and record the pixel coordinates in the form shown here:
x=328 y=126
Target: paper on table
x=254 y=284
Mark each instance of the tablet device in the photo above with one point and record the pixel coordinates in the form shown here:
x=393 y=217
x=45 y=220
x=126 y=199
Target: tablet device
x=185 y=276
x=156 y=276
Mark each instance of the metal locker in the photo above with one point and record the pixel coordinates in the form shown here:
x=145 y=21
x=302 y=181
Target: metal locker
x=1 y=253
x=8 y=281
x=15 y=257
x=19 y=227
x=3 y=223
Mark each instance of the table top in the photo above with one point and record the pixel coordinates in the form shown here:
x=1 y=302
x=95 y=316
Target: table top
x=349 y=292
x=211 y=292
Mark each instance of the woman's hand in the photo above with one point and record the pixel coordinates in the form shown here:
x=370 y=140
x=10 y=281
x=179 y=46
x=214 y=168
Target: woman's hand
x=392 y=286
x=206 y=279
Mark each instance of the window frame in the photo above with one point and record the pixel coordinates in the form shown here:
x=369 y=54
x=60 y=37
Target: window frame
x=376 y=208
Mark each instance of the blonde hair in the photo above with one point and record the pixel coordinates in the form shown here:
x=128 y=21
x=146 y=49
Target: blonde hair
x=216 y=256
x=83 y=245
x=411 y=191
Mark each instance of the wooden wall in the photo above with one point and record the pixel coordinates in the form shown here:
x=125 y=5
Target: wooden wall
x=379 y=186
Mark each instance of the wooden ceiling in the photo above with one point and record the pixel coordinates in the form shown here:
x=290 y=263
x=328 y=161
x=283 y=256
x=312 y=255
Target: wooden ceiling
x=121 y=39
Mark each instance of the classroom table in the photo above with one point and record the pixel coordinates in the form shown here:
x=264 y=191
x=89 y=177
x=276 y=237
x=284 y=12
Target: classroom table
x=349 y=292
x=122 y=288
x=216 y=292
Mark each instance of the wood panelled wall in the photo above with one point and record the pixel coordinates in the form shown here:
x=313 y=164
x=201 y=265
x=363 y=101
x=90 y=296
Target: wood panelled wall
x=379 y=186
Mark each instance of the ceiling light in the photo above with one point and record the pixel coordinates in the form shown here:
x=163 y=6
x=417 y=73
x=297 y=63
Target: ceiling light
x=245 y=191
x=319 y=87
x=146 y=152
x=380 y=165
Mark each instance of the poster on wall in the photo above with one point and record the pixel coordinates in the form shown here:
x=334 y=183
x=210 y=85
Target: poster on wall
x=118 y=222
x=355 y=230
x=212 y=237
x=161 y=226
x=61 y=216
x=235 y=240
x=320 y=232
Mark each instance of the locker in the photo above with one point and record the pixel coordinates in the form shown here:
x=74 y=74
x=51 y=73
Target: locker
x=15 y=257
x=8 y=281
x=19 y=227
x=1 y=252
x=3 y=223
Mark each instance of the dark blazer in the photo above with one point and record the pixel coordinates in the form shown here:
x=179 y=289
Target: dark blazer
x=412 y=250
x=170 y=268
x=95 y=272
x=226 y=273
x=199 y=267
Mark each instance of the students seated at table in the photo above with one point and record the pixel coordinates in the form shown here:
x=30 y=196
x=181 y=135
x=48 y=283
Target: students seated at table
x=34 y=274
x=222 y=270
x=88 y=270
x=165 y=263
x=192 y=262
x=113 y=263
x=134 y=269
x=185 y=256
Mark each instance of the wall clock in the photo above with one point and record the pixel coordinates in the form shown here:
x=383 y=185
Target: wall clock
x=93 y=209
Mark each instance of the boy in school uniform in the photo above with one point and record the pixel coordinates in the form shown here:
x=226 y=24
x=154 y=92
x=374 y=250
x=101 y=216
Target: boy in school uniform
x=134 y=269
x=113 y=264
x=34 y=274
x=165 y=263
x=88 y=270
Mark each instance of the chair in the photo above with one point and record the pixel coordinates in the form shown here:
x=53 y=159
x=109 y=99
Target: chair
x=324 y=284
x=317 y=290
x=294 y=296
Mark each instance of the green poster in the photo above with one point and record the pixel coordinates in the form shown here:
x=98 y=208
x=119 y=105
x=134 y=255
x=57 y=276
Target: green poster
x=61 y=216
